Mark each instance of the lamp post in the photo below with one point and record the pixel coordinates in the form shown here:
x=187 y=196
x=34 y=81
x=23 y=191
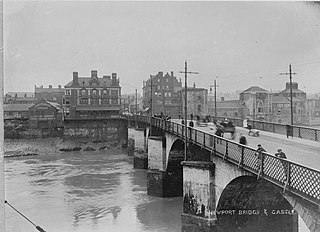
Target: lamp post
x=185 y=107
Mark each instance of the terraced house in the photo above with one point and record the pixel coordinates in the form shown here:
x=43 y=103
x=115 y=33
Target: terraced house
x=92 y=97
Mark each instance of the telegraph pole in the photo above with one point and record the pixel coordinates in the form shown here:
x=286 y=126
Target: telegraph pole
x=290 y=77
x=151 y=104
x=185 y=107
x=136 y=107
x=215 y=98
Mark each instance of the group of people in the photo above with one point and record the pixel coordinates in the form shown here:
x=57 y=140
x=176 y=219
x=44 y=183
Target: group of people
x=279 y=154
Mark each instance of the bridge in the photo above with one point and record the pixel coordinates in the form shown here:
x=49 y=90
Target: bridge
x=222 y=181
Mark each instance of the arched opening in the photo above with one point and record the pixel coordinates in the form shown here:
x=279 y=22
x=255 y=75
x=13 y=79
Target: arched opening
x=173 y=181
x=251 y=205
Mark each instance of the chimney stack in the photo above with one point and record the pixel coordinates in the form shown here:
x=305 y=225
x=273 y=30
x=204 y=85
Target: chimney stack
x=50 y=86
x=75 y=80
x=172 y=73
x=222 y=99
x=114 y=79
x=59 y=86
x=94 y=73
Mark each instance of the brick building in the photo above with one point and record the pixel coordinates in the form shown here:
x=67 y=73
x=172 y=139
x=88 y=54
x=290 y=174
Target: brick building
x=50 y=94
x=197 y=101
x=19 y=98
x=16 y=111
x=164 y=97
x=45 y=115
x=256 y=103
x=92 y=97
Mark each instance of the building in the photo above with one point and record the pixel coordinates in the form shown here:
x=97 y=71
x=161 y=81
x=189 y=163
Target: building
x=16 y=111
x=92 y=97
x=256 y=103
x=228 y=108
x=160 y=94
x=50 y=94
x=45 y=115
x=197 y=101
x=313 y=111
x=19 y=98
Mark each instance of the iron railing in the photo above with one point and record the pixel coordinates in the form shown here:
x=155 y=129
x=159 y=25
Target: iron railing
x=278 y=128
x=292 y=177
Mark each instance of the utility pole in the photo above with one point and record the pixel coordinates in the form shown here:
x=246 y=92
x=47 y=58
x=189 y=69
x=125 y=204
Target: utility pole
x=136 y=108
x=215 y=98
x=151 y=104
x=290 y=77
x=185 y=107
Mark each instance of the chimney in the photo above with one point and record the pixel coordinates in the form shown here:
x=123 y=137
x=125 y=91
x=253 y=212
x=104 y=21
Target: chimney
x=59 y=86
x=75 y=80
x=160 y=73
x=50 y=86
x=172 y=73
x=222 y=99
x=194 y=85
x=114 y=79
x=16 y=95
x=94 y=73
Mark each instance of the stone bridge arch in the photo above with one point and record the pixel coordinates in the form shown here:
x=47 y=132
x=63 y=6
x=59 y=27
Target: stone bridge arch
x=251 y=204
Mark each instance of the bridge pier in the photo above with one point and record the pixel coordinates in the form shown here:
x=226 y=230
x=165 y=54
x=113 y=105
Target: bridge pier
x=131 y=133
x=156 y=166
x=199 y=202
x=140 y=155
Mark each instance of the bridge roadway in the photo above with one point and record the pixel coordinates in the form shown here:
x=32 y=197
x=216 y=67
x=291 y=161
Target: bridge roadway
x=301 y=151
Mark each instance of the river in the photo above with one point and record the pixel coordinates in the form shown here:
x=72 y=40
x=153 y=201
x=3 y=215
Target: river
x=85 y=191
x=94 y=191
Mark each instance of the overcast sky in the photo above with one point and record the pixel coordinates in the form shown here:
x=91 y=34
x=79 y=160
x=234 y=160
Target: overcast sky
x=243 y=43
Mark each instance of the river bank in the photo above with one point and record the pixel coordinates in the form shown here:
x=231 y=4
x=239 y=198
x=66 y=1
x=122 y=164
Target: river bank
x=26 y=147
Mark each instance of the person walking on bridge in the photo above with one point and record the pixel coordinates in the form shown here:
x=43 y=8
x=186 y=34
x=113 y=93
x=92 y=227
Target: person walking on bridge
x=259 y=156
x=280 y=154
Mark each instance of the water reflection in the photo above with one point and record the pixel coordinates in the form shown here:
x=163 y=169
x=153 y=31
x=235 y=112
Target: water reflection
x=86 y=191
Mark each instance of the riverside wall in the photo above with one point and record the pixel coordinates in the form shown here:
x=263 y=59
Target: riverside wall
x=77 y=134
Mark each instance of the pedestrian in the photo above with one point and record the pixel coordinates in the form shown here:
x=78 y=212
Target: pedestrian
x=219 y=133
x=259 y=155
x=243 y=139
x=280 y=154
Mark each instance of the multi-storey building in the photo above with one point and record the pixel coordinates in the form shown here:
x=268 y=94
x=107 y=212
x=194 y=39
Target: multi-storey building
x=160 y=94
x=92 y=97
x=313 y=111
x=281 y=105
x=256 y=103
x=197 y=101
x=19 y=98
x=50 y=94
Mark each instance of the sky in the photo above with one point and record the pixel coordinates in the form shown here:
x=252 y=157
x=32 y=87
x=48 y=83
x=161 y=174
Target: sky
x=240 y=44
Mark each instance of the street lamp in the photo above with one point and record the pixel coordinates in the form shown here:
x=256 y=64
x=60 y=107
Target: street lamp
x=185 y=107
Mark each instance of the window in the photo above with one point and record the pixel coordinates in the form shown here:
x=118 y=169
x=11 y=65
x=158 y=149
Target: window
x=83 y=92
x=68 y=92
x=94 y=92
x=159 y=87
x=84 y=101
x=199 y=108
x=167 y=80
x=158 y=80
